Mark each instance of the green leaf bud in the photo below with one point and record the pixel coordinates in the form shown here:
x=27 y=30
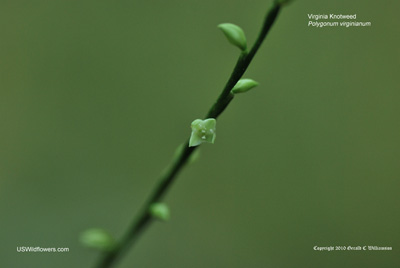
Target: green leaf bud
x=234 y=34
x=160 y=211
x=244 y=85
x=98 y=239
x=203 y=131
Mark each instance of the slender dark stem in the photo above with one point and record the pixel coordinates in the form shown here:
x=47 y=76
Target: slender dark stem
x=144 y=218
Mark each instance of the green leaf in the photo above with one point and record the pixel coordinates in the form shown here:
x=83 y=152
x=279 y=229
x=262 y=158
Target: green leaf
x=244 y=85
x=98 y=239
x=203 y=131
x=160 y=211
x=234 y=34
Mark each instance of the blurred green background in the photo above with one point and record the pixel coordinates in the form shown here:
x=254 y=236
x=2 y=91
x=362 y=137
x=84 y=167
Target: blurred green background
x=96 y=95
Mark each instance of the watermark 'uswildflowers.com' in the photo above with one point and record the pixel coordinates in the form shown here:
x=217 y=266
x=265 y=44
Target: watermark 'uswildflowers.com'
x=41 y=250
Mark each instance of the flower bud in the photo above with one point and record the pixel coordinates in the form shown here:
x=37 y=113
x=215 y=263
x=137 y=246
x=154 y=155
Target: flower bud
x=194 y=157
x=98 y=239
x=202 y=131
x=160 y=211
x=234 y=34
x=244 y=85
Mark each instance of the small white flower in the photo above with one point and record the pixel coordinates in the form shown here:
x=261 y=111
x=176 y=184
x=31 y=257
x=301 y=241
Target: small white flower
x=202 y=131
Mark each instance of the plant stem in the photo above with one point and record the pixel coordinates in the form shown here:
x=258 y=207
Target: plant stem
x=144 y=218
